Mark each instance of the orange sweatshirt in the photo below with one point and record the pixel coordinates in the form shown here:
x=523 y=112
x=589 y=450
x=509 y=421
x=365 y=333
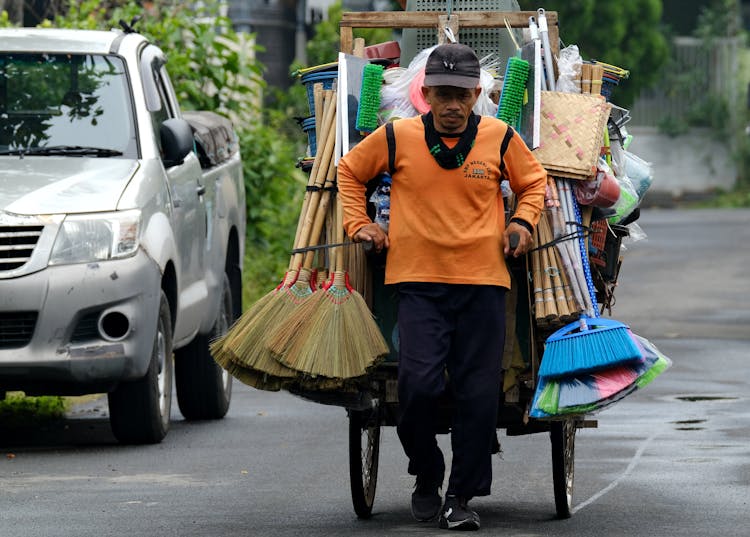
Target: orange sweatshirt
x=445 y=225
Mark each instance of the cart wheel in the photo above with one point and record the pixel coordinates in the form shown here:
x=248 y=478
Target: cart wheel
x=563 y=436
x=364 y=449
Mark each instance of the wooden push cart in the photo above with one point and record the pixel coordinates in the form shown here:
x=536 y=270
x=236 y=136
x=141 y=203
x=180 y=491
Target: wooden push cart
x=374 y=403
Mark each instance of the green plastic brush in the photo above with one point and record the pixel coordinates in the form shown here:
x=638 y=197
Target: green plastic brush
x=369 y=98
x=514 y=89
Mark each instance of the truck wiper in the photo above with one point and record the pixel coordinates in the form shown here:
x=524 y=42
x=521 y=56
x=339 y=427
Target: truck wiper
x=72 y=150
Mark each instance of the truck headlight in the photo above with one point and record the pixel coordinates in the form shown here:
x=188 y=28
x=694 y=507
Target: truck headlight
x=96 y=237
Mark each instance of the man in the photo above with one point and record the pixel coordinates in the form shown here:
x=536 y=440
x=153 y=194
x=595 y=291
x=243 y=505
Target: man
x=446 y=244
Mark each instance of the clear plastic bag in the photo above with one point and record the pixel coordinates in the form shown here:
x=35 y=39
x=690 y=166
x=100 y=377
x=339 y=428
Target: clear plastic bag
x=635 y=233
x=381 y=199
x=640 y=173
x=569 y=68
x=401 y=95
x=627 y=202
x=395 y=96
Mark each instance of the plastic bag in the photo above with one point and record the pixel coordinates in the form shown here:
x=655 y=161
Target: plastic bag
x=569 y=67
x=485 y=106
x=381 y=199
x=627 y=202
x=401 y=95
x=395 y=97
x=635 y=233
x=640 y=173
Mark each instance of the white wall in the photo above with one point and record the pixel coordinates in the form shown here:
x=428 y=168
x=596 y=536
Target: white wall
x=691 y=163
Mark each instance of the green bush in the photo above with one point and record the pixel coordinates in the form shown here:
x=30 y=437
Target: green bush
x=17 y=409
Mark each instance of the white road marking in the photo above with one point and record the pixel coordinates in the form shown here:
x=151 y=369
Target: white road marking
x=613 y=484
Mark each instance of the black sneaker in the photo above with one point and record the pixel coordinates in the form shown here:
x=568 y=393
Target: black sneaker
x=456 y=515
x=425 y=501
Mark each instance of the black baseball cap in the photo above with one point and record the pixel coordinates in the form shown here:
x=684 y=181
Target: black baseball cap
x=452 y=64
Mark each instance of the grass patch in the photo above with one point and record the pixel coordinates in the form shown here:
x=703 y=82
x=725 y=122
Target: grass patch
x=18 y=409
x=738 y=198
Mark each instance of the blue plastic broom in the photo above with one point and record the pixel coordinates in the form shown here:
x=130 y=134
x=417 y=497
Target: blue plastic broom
x=591 y=343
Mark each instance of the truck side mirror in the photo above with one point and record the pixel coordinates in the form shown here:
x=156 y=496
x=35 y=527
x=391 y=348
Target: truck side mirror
x=176 y=141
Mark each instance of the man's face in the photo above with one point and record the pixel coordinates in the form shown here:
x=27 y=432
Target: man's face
x=450 y=106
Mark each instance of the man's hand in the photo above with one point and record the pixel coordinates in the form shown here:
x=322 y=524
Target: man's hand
x=525 y=240
x=372 y=233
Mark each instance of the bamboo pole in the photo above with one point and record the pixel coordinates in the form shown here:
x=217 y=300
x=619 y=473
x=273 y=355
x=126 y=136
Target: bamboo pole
x=536 y=267
x=561 y=305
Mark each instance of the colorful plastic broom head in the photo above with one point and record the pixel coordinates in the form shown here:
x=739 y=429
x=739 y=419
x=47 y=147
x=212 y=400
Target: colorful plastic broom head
x=581 y=394
x=601 y=344
x=369 y=98
x=514 y=88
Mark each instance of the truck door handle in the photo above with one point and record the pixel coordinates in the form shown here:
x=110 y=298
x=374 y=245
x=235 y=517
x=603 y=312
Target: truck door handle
x=200 y=190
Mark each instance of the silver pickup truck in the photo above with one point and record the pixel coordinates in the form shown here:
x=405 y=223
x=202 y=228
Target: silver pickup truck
x=122 y=225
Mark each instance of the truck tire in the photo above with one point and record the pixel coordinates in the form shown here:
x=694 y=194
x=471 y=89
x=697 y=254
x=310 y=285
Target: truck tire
x=204 y=389
x=139 y=410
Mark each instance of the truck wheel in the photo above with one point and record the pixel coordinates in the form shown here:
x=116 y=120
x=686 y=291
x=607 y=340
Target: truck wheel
x=204 y=389
x=139 y=410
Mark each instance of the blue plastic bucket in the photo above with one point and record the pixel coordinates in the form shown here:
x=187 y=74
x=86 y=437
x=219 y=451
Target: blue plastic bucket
x=310 y=79
x=308 y=126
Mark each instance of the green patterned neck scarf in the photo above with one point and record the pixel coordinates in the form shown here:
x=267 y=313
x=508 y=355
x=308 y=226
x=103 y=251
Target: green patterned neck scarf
x=446 y=157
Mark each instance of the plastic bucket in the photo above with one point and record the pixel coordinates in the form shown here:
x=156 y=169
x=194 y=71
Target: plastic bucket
x=608 y=192
x=308 y=126
x=604 y=191
x=310 y=79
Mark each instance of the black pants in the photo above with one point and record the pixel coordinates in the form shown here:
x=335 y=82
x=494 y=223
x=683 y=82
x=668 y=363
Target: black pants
x=460 y=328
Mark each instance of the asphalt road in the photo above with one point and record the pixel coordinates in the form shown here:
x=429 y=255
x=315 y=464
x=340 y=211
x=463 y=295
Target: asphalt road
x=672 y=459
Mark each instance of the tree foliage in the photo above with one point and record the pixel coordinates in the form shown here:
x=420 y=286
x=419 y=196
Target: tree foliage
x=627 y=34
x=325 y=44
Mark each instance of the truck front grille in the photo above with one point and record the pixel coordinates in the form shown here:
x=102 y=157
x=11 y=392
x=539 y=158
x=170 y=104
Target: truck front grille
x=17 y=244
x=87 y=328
x=16 y=328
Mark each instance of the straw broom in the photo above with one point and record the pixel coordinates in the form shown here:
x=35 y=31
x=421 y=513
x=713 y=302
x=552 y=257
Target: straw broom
x=249 y=345
x=218 y=348
x=237 y=351
x=333 y=334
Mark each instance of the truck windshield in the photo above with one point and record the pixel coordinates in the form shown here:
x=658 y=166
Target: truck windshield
x=65 y=100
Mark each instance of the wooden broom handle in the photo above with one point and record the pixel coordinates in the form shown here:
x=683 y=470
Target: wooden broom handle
x=318 y=108
x=305 y=233
x=320 y=214
x=339 y=234
x=328 y=115
x=536 y=280
x=560 y=303
x=549 y=305
x=326 y=131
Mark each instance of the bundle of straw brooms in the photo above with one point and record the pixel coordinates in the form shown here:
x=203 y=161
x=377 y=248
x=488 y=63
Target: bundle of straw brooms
x=300 y=332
